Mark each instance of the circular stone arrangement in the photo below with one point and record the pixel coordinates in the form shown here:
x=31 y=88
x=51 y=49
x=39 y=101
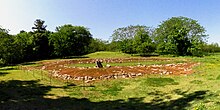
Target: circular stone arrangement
x=62 y=69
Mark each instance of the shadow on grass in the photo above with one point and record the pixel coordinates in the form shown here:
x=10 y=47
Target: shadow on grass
x=5 y=69
x=28 y=63
x=3 y=73
x=75 y=57
x=30 y=95
x=147 y=55
x=68 y=57
x=155 y=55
x=157 y=82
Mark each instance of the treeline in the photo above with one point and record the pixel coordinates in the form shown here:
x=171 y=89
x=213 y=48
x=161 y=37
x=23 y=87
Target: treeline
x=178 y=36
x=40 y=43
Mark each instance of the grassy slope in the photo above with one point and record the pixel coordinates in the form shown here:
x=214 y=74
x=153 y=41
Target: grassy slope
x=106 y=54
x=29 y=90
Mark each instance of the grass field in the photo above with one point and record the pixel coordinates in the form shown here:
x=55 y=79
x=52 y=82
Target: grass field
x=21 y=89
x=106 y=54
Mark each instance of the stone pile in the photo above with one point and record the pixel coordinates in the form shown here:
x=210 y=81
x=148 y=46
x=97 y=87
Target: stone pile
x=57 y=74
x=116 y=60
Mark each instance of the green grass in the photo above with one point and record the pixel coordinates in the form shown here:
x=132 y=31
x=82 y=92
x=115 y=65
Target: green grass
x=21 y=89
x=157 y=82
x=106 y=54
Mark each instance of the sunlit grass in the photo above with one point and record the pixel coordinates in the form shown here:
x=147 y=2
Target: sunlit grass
x=106 y=54
x=161 y=90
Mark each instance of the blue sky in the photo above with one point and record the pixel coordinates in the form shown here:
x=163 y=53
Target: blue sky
x=104 y=16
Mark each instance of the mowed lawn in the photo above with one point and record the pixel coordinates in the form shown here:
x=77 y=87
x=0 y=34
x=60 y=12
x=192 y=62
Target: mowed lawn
x=36 y=90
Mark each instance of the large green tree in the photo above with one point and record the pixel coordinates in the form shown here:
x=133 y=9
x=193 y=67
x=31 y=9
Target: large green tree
x=40 y=35
x=16 y=48
x=180 y=36
x=24 y=46
x=6 y=47
x=134 y=39
x=143 y=42
x=70 y=40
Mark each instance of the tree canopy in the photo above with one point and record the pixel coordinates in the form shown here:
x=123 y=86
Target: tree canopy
x=39 y=25
x=134 y=39
x=5 y=46
x=128 y=32
x=70 y=40
x=42 y=44
x=40 y=40
x=180 y=36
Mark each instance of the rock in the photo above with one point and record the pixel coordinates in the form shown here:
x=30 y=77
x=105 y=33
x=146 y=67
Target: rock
x=90 y=78
x=108 y=66
x=81 y=78
x=77 y=78
x=139 y=64
x=93 y=79
x=123 y=76
x=86 y=78
x=88 y=81
x=133 y=75
x=139 y=74
x=43 y=68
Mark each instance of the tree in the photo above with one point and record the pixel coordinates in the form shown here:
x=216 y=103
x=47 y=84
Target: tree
x=40 y=40
x=24 y=46
x=134 y=39
x=97 y=45
x=128 y=32
x=127 y=46
x=5 y=47
x=70 y=40
x=2 y=30
x=9 y=48
x=211 y=48
x=113 y=46
x=41 y=47
x=143 y=43
x=180 y=36
x=16 y=48
x=39 y=25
